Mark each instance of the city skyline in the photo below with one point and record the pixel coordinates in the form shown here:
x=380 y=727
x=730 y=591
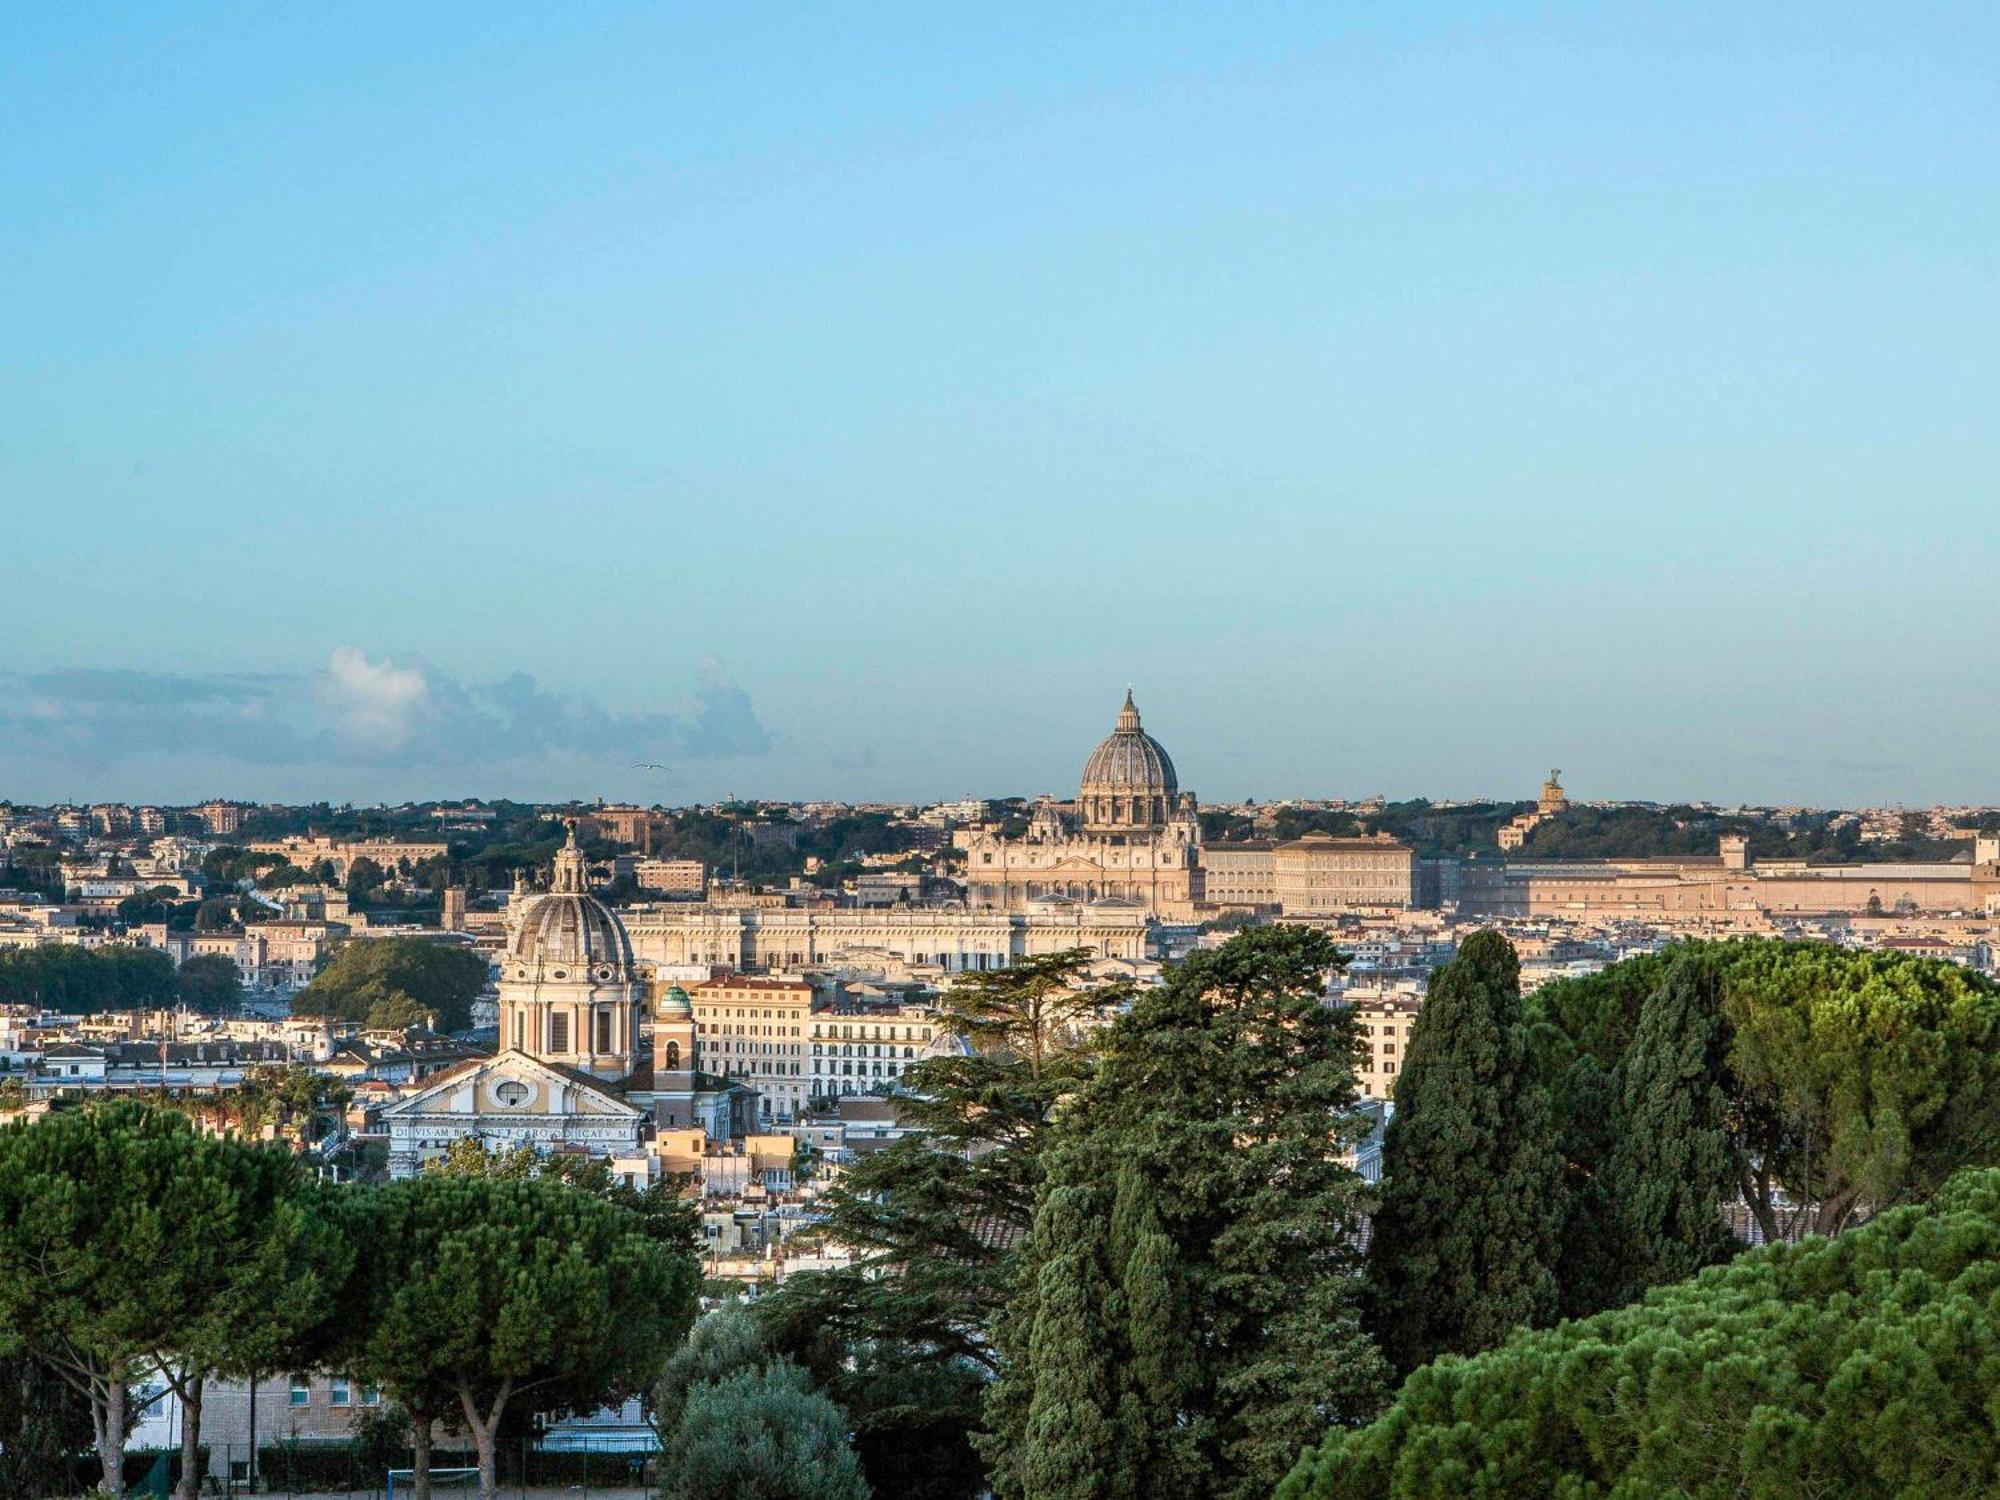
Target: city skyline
x=363 y=712
x=479 y=401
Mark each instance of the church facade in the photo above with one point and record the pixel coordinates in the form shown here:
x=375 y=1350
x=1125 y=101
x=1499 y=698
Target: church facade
x=516 y=1100
x=571 y=1003
x=1135 y=837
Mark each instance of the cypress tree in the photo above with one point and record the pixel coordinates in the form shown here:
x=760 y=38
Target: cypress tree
x=1592 y=1269
x=1672 y=1165
x=1072 y=1449
x=1469 y=1229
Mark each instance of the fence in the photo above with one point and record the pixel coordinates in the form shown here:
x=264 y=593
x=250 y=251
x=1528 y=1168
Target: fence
x=575 y=1465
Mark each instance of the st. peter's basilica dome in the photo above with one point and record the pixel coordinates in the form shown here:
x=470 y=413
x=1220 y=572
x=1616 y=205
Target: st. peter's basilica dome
x=1128 y=782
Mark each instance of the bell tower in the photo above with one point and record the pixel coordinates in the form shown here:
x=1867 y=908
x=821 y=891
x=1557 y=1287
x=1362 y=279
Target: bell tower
x=674 y=1059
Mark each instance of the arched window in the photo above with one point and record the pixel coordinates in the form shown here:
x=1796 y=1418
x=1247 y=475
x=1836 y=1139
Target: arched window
x=673 y=1057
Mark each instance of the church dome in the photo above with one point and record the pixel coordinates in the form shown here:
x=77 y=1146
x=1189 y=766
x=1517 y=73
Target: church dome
x=1129 y=781
x=570 y=930
x=675 y=1005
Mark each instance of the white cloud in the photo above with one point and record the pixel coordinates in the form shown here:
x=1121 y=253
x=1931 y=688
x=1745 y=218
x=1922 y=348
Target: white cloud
x=374 y=705
x=354 y=712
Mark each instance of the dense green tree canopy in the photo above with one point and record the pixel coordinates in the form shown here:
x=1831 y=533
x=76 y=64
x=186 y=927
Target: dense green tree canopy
x=761 y=1434
x=127 y=1238
x=77 y=981
x=1860 y=1367
x=902 y=1338
x=1466 y=1239
x=1851 y=1080
x=210 y=983
x=721 y=1344
x=264 y=1263
x=440 y=978
x=227 y=864
x=44 y=1427
x=1189 y=1301
x=155 y=905
x=1669 y=1168
x=364 y=878
x=218 y=914
x=485 y=1290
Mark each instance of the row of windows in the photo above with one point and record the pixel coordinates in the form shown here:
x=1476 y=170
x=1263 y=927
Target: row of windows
x=860 y=1070
x=847 y=1049
x=559 y=1030
x=340 y=1391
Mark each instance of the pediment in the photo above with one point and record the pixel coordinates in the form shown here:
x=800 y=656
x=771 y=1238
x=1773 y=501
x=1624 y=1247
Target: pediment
x=512 y=1086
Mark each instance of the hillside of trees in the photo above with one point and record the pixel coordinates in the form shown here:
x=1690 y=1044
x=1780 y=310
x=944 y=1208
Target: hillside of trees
x=1635 y=832
x=73 y=980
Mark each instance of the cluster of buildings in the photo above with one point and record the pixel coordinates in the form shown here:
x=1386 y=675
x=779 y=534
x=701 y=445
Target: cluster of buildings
x=755 y=1042
x=710 y=1028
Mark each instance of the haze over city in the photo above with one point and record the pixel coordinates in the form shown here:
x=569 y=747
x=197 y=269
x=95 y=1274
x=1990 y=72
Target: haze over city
x=491 y=400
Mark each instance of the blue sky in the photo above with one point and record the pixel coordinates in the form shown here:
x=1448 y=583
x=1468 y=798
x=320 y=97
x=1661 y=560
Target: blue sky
x=429 y=400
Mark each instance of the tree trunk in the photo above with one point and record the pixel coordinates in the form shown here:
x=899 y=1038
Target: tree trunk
x=190 y=1388
x=485 y=1435
x=1836 y=1211
x=107 y=1418
x=1757 y=1194
x=420 y=1437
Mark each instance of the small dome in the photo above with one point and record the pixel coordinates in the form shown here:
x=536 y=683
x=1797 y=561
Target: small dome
x=1129 y=781
x=569 y=928
x=674 y=1004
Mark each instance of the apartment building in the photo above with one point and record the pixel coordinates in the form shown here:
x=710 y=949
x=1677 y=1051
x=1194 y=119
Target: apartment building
x=858 y=1048
x=1384 y=1016
x=754 y=1031
x=672 y=877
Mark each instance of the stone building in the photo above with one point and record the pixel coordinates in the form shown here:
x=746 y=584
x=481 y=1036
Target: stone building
x=1134 y=836
x=1315 y=876
x=1241 y=875
x=762 y=939
x=1320 y=875
x=569 y=991
x=857 y=1049
x=1729 y=883
x=1551 y=803
x=571 y=1003
x=1385 y=1015
x=754 y=1031
x=517 y=1100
